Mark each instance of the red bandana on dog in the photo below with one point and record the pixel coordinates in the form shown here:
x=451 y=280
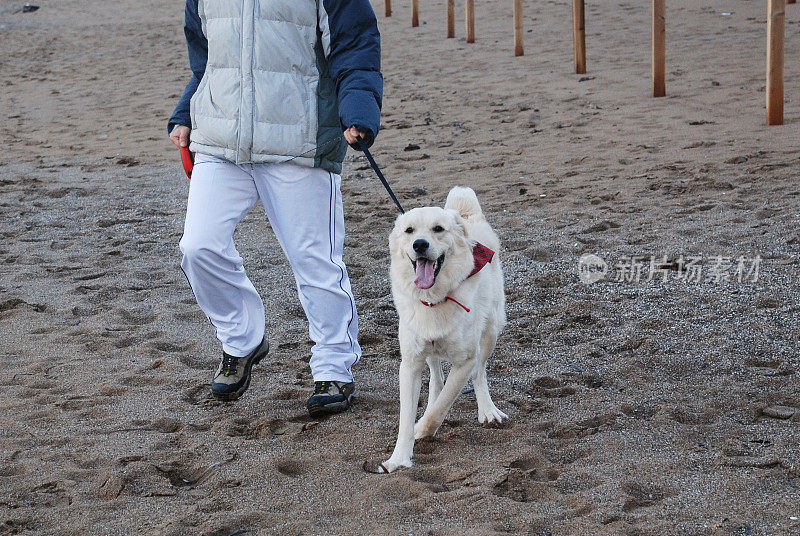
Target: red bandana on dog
x=481 y=256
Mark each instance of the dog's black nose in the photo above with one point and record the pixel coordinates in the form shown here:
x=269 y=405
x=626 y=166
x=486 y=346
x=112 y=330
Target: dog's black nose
x=420 y=246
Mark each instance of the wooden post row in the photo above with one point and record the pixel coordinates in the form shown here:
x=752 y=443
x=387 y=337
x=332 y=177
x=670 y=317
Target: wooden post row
x=658 y=49
x=579 y=35
x=414 y=13
x=451 y=18
x=518 y=35
x=470 y=12
x=775 y=30
x=387 y=4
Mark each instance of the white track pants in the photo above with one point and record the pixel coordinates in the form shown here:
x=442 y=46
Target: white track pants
x=304 y=207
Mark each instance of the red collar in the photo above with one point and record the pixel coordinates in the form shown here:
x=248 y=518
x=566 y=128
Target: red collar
x=481 y=256
x=444 y=300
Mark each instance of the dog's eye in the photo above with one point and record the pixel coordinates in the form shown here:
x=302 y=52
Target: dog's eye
x=438 y=229
x=410 y=230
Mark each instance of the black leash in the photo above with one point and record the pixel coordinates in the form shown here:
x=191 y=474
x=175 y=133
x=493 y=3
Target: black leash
x=377 y=170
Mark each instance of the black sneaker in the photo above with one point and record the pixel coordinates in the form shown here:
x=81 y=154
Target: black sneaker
x=233 y=374
x=330 y=397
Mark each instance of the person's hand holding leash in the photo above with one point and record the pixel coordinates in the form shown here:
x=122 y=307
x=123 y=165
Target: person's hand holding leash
x=353 y=133
x=180 y=136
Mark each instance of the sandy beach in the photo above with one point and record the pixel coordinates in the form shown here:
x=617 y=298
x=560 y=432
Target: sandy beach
x=647 y=404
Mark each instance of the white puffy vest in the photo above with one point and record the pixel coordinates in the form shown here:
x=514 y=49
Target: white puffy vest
x=257 y=101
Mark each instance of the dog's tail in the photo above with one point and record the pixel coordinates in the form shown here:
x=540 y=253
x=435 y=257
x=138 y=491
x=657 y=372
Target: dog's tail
x=463 y=200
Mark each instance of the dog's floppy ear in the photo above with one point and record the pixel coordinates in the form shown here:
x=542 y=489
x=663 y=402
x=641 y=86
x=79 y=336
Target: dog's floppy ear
x=459 y=229
x=395 y=234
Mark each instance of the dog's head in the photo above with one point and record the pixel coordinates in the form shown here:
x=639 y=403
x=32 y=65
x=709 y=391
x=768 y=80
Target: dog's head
x=429 y=246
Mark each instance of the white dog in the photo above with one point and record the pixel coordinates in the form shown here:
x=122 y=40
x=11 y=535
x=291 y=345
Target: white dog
x=447 y=285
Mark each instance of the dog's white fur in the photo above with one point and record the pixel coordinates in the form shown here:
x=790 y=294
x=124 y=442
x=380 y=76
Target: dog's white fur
x=445 y=331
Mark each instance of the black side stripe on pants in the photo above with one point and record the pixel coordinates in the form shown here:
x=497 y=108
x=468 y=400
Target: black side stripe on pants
x=332 y=235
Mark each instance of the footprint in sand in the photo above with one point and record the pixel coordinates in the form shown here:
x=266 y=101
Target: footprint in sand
x=166 y=425
x=536 y=467
x=134 y=319
x=641 y=411
x=196 y=361
x=688 y=415
x=780 y=412
x=199 y=395
x=289 y=467
x=583 y=428
x=437 y=480
x=105 y=295
x=84 y=311
x=54 y=493
x=89 y=277
x=270 y=426
x=127 y=342
x=518 y=486
x=642 y=494
x=109 y=486
x=549 y=387
x=165 y=346
x=186 y=477
x=16 y=525
x=237 y=427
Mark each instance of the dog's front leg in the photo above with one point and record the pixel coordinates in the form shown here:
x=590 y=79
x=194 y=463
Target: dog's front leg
x=435 y=414
x=410 y=385
x=437 y=380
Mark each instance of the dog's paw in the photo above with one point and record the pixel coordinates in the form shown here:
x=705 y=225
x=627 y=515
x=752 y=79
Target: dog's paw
x=389 y=466
x=491 y=416
x=423 y=429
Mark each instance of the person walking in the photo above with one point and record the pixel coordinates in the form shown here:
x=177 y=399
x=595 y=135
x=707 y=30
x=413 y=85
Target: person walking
x=279 y=88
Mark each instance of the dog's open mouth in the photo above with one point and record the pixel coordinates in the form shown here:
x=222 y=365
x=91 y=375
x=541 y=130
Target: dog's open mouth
x=426 y=270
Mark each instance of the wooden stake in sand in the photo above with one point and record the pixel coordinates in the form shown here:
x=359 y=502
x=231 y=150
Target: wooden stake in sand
x=388 y=6
x=579 y=35
x=470 y=12
x=518 y=36
x=775 y=29
x=659 y=49
x=451 y=18
x=414 y=13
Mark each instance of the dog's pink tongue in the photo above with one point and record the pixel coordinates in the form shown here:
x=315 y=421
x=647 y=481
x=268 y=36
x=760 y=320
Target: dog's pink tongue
x=425 y=270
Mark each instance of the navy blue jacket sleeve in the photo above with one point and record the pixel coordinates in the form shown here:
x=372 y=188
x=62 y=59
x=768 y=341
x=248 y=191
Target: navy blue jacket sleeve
x=198 y=56
x=354 y=63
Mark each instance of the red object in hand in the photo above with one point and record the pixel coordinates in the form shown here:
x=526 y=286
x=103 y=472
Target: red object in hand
x=187 y=157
